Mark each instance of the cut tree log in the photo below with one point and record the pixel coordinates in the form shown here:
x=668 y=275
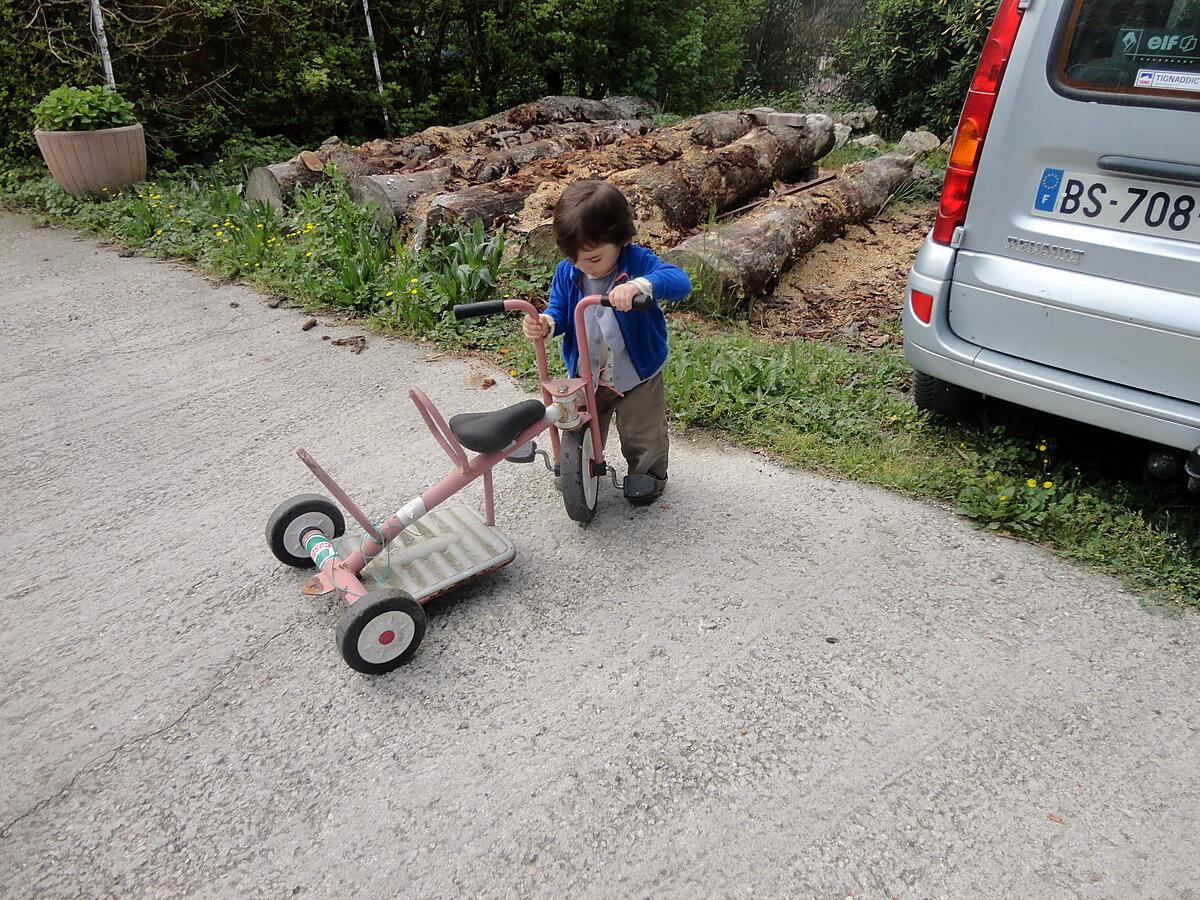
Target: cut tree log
x=534 y=190
x=747 y=256
x=274 y=183
x=670 y=197
x=393 y=194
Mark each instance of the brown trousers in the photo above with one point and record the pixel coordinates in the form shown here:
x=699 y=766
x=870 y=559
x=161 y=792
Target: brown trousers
x=642 y=425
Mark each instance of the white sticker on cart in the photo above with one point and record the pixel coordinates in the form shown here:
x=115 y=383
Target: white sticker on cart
x=1164 y=80
x=411 y=511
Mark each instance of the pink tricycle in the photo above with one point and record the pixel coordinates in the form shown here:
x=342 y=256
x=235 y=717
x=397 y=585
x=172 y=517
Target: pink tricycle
x=426 y=549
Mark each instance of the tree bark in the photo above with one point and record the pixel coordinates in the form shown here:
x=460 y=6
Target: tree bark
x=671 y=197
x=747 y=256
x=276 y=182
x=393 y=194
x=676 y=196
x=534 y=190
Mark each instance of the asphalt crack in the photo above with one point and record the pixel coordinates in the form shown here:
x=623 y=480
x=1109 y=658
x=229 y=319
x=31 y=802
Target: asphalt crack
x=111 y=757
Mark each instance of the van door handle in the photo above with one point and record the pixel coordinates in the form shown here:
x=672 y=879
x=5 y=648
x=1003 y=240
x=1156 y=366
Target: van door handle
x=1151 y=168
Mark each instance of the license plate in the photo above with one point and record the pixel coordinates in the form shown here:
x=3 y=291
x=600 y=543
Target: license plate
x=1121 y=203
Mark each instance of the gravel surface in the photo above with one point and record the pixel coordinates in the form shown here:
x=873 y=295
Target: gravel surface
x=770 y=684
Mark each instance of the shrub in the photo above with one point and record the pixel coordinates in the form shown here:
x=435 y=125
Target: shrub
x=69 y=108
x=914 y=59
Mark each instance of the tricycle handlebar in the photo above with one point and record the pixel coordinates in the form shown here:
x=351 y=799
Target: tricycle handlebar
x=476 y=310
x=641 y=303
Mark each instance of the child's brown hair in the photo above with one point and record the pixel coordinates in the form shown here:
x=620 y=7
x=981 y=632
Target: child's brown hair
x=591 y=213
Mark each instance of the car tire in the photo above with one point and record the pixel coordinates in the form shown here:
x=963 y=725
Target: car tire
x=941 y=397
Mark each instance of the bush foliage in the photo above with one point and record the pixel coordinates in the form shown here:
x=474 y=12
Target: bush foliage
x=914 y=58
x=200 y=70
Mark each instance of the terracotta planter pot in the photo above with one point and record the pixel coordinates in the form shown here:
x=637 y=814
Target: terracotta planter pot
x=85 y=162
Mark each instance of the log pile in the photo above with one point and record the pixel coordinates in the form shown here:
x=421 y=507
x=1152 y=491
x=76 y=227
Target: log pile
x=540 y=120
x=747 y=256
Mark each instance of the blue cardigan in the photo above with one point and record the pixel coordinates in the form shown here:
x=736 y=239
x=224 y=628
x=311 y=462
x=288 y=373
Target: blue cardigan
x=645 y=333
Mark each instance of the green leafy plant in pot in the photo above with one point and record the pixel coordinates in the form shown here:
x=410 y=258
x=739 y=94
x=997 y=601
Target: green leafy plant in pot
x=90 y=139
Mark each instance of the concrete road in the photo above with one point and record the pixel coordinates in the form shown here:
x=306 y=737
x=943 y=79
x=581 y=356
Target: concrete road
x=773 y=684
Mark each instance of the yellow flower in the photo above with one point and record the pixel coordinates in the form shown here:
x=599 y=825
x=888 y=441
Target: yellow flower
x=1032 y=482
x=412 y=281
x=256 y=265
x=1003 y=498
x=1042 y=448
x=309 y=253
x=413 y=291
x=259 y=225
x=219 y=233
x=1048 y=485
x=389 y=293
x=512 y=372
x=159 y=231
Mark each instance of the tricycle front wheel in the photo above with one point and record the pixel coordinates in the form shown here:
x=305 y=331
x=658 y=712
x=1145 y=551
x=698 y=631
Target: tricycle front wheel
x=580 y=487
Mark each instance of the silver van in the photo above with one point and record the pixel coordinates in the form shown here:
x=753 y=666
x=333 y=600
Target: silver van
x=1063 y=272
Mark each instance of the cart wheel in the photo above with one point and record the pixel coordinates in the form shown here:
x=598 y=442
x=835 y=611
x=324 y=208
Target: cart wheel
x=579 y=486
x=294 y=517
x=380 y=631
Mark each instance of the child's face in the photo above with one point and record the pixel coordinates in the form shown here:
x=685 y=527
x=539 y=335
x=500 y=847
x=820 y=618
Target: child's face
x=597 y=262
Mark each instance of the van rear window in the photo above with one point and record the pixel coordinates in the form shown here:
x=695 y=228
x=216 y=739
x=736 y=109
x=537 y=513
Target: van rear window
x=1133 y=47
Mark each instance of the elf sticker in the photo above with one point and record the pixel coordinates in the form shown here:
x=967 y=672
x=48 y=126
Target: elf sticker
x=1159 y=44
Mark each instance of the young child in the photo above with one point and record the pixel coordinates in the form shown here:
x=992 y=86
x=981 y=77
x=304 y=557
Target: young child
x=593 y=227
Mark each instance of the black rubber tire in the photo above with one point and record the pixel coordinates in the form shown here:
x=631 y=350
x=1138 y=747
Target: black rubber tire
x=574 y=458
x=358 y=615
x=286 y=512
x=941 y=397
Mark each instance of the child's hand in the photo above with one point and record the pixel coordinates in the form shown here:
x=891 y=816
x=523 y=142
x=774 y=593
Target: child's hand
x=622 y=296
x=541 y=327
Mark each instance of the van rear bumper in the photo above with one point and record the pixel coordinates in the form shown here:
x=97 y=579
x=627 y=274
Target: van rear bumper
x=936 y=350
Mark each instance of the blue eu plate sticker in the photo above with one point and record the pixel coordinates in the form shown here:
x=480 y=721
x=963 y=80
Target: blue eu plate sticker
x=1047 y=197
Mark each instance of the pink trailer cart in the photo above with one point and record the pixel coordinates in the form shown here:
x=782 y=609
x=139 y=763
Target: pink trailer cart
x=428 y=547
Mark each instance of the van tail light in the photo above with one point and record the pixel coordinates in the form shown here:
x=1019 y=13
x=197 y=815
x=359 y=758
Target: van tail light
x=974 y=122
x=922 y=306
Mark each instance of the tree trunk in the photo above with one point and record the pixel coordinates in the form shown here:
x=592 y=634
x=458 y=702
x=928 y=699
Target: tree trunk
x=534 y=190
x=747 y=256
x=393 y=194
x=671 y=197
x=274 y=183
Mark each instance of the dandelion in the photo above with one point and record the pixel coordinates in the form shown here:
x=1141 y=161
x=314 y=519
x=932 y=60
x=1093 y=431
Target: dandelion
x=1042 y=448
x=256 y=265
x=512 y=372
x=389 y=293
x=413 y=291
x=1032 y=482
x=412 y=281
x=220 y=233
x=1048 y=485
x=259 y=225
x=1003 y=498
x=309 y=253
x=159 y=231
